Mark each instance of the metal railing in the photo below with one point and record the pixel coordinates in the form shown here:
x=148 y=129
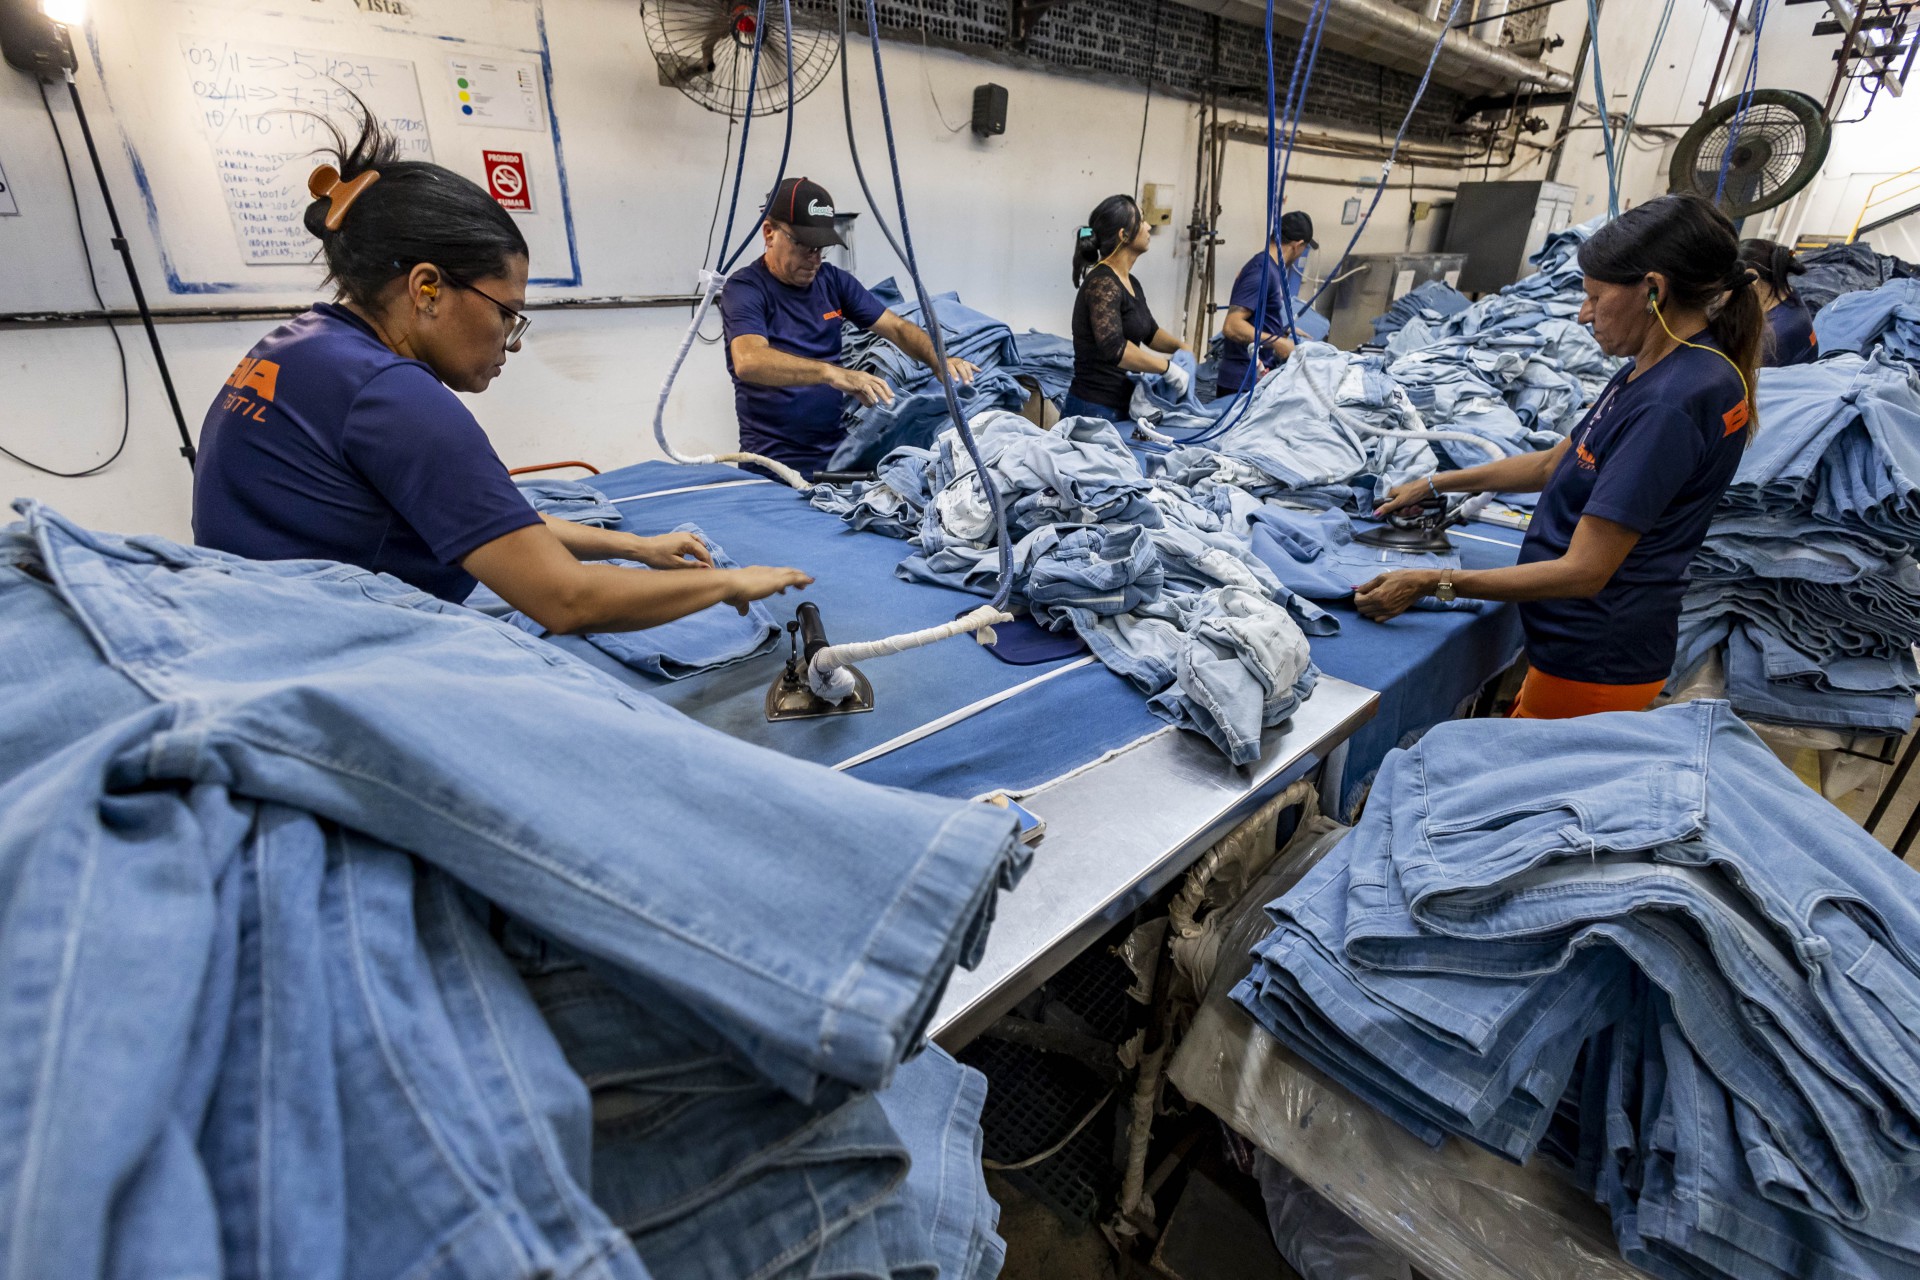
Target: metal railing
x=1873 y=198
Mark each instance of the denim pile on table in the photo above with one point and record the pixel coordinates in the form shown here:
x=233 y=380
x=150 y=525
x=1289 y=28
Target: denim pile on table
x=255 y=819
x=1156 y=404
x=1161 y=583
x=1886 y=318
x=1807 y=572
x=1300 y=430
x=919 y=408
x=1846 y=268
x=1638 y=940
x=1515 y=368
x=1431 y=303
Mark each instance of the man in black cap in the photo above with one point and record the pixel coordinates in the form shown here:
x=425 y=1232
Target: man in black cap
x=1262 y=275
x=781 y=316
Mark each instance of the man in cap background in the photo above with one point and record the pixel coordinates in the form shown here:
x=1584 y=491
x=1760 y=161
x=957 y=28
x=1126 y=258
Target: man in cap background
x=1262 y=275
x=781 y=316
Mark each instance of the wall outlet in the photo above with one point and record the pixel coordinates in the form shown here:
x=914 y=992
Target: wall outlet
x=1156 y=203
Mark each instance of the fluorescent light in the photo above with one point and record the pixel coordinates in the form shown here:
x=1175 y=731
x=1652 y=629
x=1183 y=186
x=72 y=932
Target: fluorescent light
x=66 y=12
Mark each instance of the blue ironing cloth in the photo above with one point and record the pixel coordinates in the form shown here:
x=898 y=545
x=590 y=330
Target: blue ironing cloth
x=1055 y=727
x=1425 y=665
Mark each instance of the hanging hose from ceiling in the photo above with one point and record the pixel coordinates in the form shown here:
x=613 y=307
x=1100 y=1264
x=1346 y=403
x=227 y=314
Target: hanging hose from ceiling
x=827 y=674
x=712 y=281
x=1746 y=100
x=1600 y=99
x=1393 y=154
x=1639 y=90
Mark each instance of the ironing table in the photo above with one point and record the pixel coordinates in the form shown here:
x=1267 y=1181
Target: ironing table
x=1129 y=802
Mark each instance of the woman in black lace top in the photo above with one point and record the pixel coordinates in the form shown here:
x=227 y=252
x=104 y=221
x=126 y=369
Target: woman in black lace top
x=1114 y=332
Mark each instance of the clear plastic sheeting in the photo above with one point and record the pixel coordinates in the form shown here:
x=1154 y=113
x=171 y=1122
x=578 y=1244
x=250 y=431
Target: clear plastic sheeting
x=1458 y=1212
x=1317 y=1240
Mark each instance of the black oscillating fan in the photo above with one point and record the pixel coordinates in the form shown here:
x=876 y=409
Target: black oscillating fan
x=1778 y=147
x=705 y=50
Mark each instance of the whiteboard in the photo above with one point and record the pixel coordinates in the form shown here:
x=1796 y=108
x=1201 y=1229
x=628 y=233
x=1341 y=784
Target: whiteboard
x=222 y=134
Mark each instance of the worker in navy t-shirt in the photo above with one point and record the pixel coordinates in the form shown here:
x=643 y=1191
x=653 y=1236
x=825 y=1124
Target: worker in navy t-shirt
x=339 y=436
x=1790 y=335
x=1256 y=294
x=782 y=317
x=1626 y=499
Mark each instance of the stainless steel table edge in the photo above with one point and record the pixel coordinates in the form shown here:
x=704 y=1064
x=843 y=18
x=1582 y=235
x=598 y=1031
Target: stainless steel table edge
x=1106 y=852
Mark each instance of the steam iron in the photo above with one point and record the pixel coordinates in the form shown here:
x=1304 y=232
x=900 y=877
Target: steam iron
x=790 y=697
x=1415 y=529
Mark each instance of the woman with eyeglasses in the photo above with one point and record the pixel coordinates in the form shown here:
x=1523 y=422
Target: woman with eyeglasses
x=339 y=436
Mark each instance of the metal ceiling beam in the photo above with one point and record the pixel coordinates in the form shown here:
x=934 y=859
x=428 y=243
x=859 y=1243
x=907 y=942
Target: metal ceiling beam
x=1400 y=39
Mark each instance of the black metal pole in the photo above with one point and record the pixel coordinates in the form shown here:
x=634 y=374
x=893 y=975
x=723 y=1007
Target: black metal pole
x=133 y=276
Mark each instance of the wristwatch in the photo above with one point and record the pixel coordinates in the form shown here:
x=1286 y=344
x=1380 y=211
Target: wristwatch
x=1443 y=591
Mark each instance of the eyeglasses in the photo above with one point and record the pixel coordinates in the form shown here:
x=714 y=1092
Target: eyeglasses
x=810 y=250
x=518 y=322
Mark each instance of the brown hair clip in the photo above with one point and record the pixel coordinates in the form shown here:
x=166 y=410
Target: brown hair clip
x=324 y=184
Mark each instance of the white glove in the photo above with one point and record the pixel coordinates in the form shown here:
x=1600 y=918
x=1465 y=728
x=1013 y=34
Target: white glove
x=1177 y=379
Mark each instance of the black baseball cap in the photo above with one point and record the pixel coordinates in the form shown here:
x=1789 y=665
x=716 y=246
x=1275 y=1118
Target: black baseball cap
x=805 y=206
x=1297 y=226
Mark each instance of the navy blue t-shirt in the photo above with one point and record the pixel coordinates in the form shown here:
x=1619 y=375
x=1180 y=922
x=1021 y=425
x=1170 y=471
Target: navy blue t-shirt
x=1654 y=454
x=1262 y=275
x=1790 y=335
x=326 y=445
x=799 y=426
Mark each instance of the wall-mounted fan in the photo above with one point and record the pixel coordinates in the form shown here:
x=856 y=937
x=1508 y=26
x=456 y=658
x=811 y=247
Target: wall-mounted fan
x=704 y=49
x=1777 y=145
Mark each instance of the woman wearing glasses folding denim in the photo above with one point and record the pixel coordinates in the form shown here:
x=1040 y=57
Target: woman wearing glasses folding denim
x=339 y=436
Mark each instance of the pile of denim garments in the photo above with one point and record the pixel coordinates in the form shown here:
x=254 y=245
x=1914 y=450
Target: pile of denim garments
x=1431 y=303
x=1846 y=268
x=1304 y=430
x=347 y=933
x=1161 y=583
x=919 y=408
x=1638 y=942
x=1515 y=368
x=1887 y=318
x=1807 y=575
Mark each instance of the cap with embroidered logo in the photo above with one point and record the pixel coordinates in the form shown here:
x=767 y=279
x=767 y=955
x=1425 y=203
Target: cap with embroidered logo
x=805 y=206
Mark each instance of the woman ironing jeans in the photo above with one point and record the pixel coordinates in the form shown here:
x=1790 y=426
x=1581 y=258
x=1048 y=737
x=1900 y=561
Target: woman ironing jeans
x=1626 y=499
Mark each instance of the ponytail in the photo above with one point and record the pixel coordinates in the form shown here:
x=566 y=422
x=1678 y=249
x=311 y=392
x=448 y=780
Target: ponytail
x=1774 y=264
x=1113 y=222
x=1691 y=243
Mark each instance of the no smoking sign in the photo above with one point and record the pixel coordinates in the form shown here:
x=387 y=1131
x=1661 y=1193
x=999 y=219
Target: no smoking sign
x=507 y=179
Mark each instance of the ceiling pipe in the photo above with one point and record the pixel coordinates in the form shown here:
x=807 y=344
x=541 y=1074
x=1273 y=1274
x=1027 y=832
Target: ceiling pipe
x=1401 y=39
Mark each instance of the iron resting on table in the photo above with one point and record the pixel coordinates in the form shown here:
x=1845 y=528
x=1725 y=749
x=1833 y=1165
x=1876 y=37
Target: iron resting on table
x=790 y=697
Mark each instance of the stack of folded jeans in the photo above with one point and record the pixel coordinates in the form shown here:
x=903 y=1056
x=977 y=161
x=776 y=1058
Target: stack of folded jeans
x=1807 y=573
x=271 y=871
x=1846 y=268
x=1887 y=318
x=1643 y=922
x=919 y=409
x=1161 y=582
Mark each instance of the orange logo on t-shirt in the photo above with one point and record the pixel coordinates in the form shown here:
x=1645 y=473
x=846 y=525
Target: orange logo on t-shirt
x=1585 y=455
x=831 y=315
x=257 y=376
x=1735 y=418
x=260 y=377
